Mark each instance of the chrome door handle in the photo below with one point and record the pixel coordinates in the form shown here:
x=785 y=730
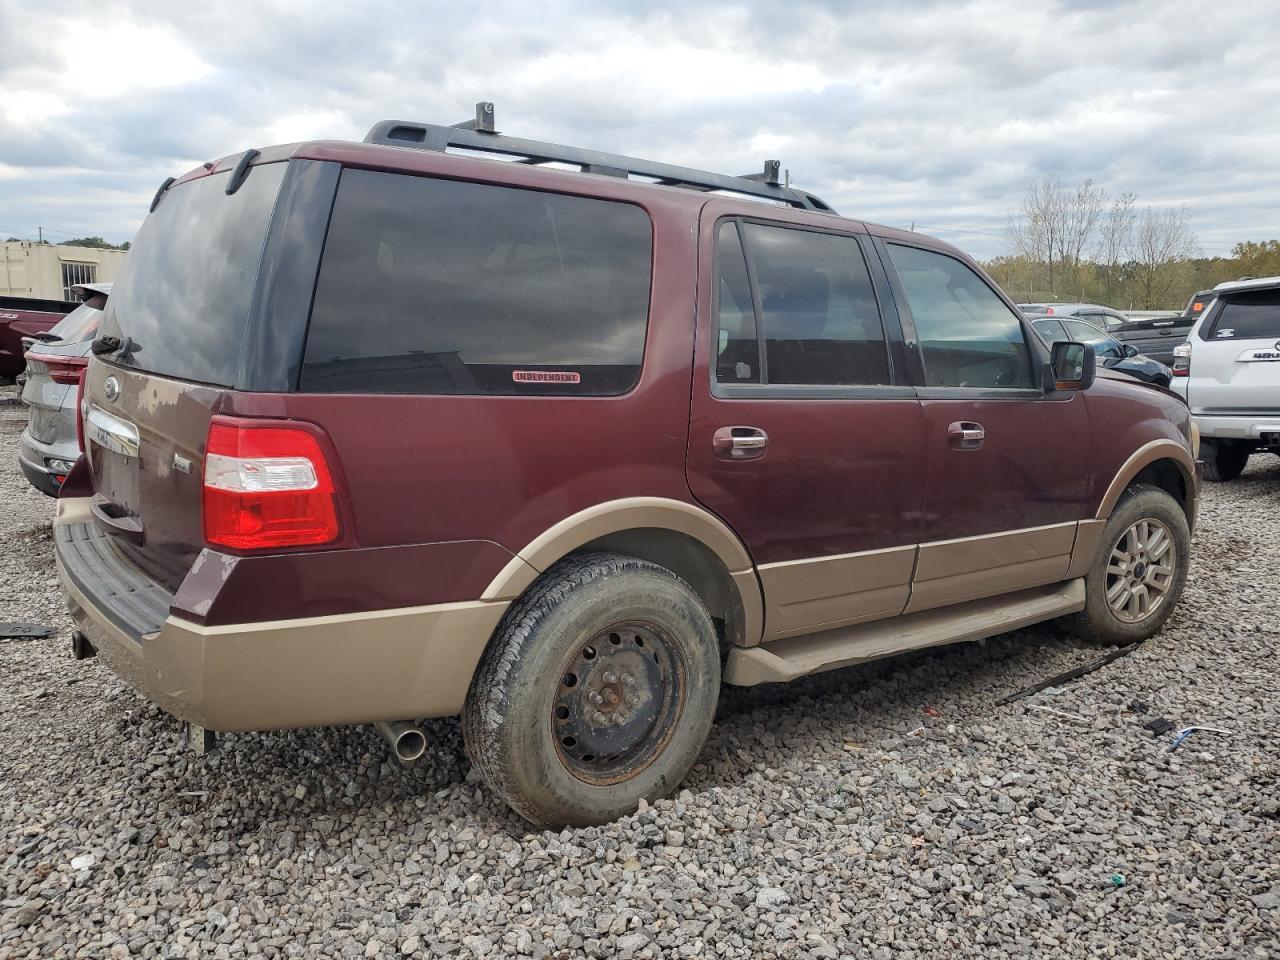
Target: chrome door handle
x=739 y=443
x=966 y=435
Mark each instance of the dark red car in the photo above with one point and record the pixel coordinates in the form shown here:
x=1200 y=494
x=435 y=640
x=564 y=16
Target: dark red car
x=377 y=432
x=25 y=317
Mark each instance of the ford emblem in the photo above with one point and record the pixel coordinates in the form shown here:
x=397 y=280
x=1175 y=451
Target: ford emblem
x=111 y=388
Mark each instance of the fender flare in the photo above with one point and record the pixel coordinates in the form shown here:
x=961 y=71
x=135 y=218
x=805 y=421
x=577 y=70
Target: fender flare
x=1141 y=458
x=633 y=513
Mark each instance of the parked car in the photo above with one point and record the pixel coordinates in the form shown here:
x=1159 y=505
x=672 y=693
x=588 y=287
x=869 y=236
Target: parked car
x=1155 y=337
x=1111 y=353
x=50 y=444
x=562 y=451
x=1229 y=373
x=24 y=317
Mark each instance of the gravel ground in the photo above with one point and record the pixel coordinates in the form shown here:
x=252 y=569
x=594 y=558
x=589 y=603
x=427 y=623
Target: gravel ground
x=818 y=824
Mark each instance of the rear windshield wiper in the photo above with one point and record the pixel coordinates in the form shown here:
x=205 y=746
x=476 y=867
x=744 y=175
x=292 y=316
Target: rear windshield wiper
x=104 y=345
x=44 y=336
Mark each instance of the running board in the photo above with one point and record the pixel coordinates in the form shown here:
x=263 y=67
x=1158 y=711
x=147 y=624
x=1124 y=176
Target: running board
x=794 y=657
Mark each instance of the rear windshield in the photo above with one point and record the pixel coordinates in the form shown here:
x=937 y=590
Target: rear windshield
x=1254 y=315
x=445 y=287
x=80 y=324
x=183 y=297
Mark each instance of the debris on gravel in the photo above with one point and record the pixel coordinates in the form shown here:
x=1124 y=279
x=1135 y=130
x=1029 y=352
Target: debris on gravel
x=885 y=811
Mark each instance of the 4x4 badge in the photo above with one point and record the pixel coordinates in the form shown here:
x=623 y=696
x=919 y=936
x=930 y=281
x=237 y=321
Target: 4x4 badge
x=111 y=388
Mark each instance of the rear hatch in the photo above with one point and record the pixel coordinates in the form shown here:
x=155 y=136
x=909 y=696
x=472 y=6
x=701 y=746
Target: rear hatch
x=1235 y=361
x=168 y=351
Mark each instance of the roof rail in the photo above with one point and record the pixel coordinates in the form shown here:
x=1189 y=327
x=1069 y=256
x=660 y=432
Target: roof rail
x=481 y=135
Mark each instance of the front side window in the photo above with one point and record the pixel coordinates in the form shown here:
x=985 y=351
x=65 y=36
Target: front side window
x=968 y=337
x=446 y=287
x=816 y=312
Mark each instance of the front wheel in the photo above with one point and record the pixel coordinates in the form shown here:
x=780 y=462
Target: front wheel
x=598 y=690
x=1139 y=574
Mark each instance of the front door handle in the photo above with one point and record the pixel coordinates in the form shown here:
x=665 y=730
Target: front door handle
x=966 y=435
x=740 y=443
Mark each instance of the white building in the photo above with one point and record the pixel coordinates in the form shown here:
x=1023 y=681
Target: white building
x=48 y=271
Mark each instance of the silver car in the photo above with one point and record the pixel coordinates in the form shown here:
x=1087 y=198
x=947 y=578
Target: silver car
x=50 y=445
x=1228 y=371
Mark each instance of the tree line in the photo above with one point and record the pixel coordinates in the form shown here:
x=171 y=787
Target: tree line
x=1079 y=243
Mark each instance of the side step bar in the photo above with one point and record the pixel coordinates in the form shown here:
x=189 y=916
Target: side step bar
x=794 y=657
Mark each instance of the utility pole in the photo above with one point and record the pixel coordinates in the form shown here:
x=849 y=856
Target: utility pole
x=40 y=232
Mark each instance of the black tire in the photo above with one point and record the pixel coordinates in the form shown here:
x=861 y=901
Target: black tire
x=1100 y=622
x=592 y=625
x=1224 y=462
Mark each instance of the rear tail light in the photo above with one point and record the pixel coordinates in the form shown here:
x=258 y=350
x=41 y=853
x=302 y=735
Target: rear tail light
x=267 y=484
x=61 y=369
x=1182 y=360
x=80 y=410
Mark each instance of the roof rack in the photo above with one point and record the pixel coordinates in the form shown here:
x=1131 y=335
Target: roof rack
x=481 y=135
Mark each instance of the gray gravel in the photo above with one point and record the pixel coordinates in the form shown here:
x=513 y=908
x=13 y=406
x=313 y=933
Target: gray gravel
x=818 y=824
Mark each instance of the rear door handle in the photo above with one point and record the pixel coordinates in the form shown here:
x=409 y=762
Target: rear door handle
x=740 y=443
x=966 y=435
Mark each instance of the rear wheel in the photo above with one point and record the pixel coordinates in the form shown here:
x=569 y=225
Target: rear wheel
x=1139 y=574
x=597 y=691
x=1224 y=461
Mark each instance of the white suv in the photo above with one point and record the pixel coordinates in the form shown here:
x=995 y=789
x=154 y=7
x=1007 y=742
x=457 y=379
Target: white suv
x=1228 y=371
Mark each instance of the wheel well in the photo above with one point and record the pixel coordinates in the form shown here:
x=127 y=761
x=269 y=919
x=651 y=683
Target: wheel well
x=690 y=560
x=1166 y=475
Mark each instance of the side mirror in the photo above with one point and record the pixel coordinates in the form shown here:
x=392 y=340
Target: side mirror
x=1074 y=365
x=1130 y=350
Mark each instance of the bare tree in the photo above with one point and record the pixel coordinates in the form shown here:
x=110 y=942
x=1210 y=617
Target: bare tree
x=1056 y=225
x=1115 y=236
x=1162 y=241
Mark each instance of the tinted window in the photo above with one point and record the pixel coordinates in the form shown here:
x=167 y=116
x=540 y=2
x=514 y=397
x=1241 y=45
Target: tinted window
x=968 y=337
x=821 y=322
x=438 y=286
x=183 y=296
x=1104 y=345
x=1248 y=316
x=737 y=350
x=1051 y=330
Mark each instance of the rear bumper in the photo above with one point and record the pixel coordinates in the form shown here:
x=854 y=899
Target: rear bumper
x=34 y=456
x=1252 y=428
x=359 y=668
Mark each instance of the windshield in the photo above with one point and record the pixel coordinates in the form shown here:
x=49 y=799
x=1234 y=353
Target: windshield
x=80 y=324
x=183 y=297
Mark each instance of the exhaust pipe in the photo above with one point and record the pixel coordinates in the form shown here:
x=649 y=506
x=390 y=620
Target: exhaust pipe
x=407 y=742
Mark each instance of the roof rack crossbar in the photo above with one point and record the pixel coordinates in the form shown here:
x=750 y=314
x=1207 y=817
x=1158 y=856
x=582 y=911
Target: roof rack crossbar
x=481 y=136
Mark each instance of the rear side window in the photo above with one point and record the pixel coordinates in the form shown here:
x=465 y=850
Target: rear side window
x=816 y=312
x=968 y=337
x=1254 y=315
x=444 y=287
x=183 y=296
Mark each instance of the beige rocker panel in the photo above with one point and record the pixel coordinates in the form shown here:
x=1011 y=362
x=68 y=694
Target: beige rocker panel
x=795 y=657
x=1143 y=457
x=802 y=596
x=636 y=513
x=955 y=571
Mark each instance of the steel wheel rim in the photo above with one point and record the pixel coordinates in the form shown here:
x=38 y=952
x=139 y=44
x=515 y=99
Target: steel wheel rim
x=1140 y=570
x=617 y=701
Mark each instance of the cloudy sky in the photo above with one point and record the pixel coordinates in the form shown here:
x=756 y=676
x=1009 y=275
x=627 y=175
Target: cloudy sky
x=937 y=114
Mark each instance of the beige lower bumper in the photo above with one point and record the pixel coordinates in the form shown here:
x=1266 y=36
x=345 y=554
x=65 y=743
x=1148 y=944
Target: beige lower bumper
x=383 y=665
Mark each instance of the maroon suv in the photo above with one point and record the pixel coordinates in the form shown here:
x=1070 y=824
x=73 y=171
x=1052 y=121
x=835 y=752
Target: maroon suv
x=378 y=431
